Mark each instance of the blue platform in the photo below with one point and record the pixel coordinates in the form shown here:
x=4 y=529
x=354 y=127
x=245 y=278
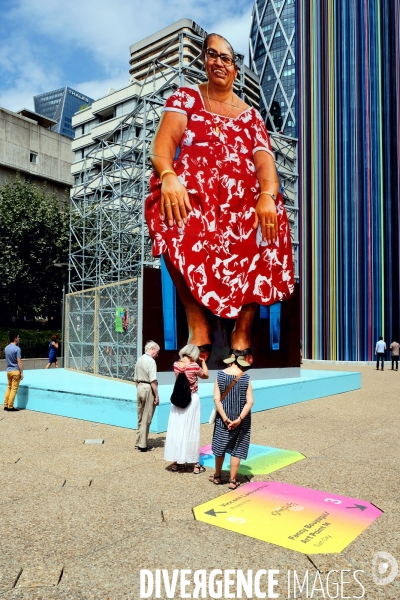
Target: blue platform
x=80 y=396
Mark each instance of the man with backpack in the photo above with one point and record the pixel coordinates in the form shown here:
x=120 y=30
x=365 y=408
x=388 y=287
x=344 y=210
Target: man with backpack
x=147 y=393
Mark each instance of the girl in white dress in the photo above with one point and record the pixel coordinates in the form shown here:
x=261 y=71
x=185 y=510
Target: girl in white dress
x=182 y=444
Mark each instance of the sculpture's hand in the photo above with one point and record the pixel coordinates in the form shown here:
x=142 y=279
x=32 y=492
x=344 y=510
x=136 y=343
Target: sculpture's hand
x=175 y=203
x=266 y=216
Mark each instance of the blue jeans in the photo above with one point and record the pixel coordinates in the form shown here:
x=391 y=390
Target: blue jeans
x=380 y=357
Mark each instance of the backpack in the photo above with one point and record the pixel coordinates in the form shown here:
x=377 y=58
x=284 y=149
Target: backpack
x=181 y=394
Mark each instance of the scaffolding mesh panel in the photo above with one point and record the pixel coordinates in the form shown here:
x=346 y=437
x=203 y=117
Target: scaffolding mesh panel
x=93 y=344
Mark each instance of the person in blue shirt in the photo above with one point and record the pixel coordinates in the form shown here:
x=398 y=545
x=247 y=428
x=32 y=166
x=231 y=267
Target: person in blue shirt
x=14 y=371
x=53 y=347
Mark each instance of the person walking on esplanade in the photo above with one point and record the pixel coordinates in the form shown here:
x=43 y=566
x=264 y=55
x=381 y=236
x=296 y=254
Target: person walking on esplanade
x=395 y=350
x=380 y=350
x=53 y=347
x=15 y=372
x=147 y=393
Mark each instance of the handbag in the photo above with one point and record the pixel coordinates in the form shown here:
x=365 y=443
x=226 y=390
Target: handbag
x=213 y=415
x=181 y=395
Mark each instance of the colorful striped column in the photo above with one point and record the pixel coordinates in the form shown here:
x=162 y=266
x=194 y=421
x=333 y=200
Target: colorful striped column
x=348 y=107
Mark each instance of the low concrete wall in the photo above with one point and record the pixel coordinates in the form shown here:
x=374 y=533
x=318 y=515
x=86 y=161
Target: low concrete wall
x=80 y=396
x=32 y=363
x=168 y=378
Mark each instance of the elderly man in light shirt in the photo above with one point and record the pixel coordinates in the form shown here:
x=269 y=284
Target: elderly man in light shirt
x=147 y=393
x=380 y=350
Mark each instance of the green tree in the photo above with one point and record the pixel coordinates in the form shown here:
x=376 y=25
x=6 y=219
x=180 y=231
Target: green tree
x=34 y=232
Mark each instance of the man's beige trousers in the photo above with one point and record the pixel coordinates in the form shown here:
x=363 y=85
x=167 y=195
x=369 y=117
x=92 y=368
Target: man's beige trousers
x=145 y=407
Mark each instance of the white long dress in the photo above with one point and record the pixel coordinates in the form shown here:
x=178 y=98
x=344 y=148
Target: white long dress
x=182 y=444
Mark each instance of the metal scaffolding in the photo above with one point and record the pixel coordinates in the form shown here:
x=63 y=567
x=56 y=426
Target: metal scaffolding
x=109 y=240
x=92 y=341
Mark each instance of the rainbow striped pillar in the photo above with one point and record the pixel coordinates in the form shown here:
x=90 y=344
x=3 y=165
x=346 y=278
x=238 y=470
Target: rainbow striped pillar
x=348 y=109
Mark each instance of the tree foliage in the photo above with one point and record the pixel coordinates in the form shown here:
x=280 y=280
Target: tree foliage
x=34 y=232
x=33 y=344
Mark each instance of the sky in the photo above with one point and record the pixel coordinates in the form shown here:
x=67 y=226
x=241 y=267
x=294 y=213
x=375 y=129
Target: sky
x=84 y=44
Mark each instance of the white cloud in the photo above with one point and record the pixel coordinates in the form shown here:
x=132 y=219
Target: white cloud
x=107 y=29
x=97 y=88
x=237 y=31
x=25 y=75
x=102 y=31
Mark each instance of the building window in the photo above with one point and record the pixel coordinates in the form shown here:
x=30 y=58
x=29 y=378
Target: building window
x=33 y=157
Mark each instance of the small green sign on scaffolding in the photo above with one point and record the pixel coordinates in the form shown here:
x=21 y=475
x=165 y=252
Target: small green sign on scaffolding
x=119 y=314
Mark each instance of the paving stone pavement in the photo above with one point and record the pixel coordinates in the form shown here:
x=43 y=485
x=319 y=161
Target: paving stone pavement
x=80 y=520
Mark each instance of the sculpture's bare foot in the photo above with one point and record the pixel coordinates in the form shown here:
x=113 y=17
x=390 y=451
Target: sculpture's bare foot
x=240 y=340
x=199 y=332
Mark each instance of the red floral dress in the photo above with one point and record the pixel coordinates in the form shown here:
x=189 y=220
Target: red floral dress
x=223 y=259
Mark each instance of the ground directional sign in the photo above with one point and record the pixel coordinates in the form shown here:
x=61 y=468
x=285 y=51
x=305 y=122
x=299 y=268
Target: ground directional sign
x=261 y=460
x=212 y=512
x=298 y=518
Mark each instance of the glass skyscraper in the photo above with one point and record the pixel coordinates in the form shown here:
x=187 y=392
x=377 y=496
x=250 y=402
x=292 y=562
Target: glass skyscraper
x=272 y=57
x=60 y=105
x=340 y=97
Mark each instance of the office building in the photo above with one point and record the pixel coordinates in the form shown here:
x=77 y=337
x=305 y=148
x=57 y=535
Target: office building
x=29 y=147
x=347 y=120
x=60 y=105
x=272 y=57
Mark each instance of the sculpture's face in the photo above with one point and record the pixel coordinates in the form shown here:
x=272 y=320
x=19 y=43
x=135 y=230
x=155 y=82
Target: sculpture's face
x=220 y=71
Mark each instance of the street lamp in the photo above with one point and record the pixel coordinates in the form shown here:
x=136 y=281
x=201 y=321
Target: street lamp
x=64 y=277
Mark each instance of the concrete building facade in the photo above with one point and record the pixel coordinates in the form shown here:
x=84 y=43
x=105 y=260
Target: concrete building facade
x=30 y=148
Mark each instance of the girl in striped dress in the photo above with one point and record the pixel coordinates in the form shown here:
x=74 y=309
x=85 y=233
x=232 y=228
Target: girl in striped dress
x=233 y=421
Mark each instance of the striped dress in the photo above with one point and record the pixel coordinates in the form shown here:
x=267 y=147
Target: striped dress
x=235 y=442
